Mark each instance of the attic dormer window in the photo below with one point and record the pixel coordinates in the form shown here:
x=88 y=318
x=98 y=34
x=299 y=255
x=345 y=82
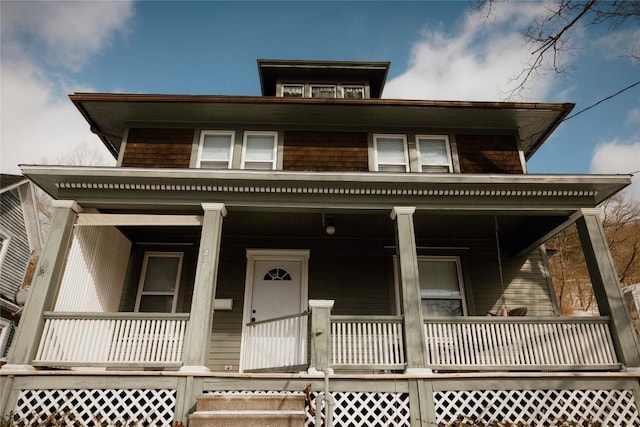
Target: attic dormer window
x=353 y=92
x=323 y=91
x=292 y=91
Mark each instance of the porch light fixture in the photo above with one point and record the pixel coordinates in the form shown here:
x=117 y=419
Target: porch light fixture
x=329 y=225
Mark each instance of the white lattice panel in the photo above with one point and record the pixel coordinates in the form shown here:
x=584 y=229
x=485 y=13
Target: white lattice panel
x=537 y=408
x=94 y=407
x=356 y=409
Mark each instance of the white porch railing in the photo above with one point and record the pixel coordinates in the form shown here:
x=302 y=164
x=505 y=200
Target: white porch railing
x=275 y=343
x=548 y=343
x=108 y=339
x=367 y=341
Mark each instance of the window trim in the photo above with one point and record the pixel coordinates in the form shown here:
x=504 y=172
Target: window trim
x=245 y=136
x=5 y=330
x=456 y=259
x=4 y=245
x=203 y=134
x=447 y=145
x=376 y=163
x=143 y=275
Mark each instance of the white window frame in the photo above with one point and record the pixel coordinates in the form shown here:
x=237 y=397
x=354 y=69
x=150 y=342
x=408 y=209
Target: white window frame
x=447 y=145
x=361 y=87
x=203 y=134
x=376 y=162
x=246 y=136
x=283 y=85
x=4 y=245
x=143 y=274
x=456 y=259
x=335 y=90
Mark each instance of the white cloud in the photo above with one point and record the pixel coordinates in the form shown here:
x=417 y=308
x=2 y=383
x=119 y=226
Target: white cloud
x=633 y=116
x=618 y=44
x=619 y=157
x=476 y=62
x=42 y=41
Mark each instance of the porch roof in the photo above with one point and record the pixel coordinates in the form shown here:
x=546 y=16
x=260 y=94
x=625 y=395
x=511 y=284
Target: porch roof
x=186 y=189
x=110 y=114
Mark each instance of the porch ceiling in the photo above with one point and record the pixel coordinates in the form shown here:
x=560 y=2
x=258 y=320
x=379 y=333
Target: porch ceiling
x=110 y=114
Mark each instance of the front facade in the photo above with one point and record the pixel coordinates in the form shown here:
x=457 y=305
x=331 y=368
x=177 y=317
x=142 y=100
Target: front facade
x=319 y=237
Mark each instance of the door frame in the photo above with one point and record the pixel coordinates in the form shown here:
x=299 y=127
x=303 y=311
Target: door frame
x=253 y=255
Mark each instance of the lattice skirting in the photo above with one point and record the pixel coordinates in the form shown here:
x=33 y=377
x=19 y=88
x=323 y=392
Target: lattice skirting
x=357 y=409
x=95 y=407
x=537 y=408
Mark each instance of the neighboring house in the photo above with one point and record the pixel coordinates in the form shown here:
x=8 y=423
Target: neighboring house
x=319 y=235
x=19 y=242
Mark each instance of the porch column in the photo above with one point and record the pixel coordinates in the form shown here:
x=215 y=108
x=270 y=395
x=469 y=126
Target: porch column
x=198 y=333
x=320 y=335
x=410 y=286
x=606 y=287
x=45 y=284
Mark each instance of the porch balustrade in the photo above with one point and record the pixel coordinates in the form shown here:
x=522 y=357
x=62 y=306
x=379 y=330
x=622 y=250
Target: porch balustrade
x=519 y=343
x=367 y=341
x=112 y=339
x=277 y=343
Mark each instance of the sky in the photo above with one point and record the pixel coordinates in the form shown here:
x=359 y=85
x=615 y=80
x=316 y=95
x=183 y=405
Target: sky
x=438 y=51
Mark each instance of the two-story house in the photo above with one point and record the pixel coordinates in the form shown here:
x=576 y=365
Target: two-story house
x=20 y=243
x=388 y=252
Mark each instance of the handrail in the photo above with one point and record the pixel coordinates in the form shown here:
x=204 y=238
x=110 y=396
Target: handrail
x=121 y=315
x=373 y=319
x=519 y=319
x=275 y=319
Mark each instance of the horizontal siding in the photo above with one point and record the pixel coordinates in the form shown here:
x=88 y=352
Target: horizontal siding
x=17 y=256
x=158 y=148
x=488 y=154
x=325 y=151
x=525 y=283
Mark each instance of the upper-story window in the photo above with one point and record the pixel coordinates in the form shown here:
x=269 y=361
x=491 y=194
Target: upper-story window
x=353 y=92
x=434 y=153
x=390 y=153
x=216 y=149
x=323 y=91
x=259 y=150
x=292 y=90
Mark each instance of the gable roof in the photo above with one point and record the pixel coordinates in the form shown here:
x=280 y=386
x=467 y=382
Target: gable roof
x=9 y=182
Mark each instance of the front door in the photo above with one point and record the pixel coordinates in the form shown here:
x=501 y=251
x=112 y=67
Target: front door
x=275 y=330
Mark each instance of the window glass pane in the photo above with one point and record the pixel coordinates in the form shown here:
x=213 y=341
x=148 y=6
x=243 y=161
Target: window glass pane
x=323 y=91
x=161 y=274
x=156 y=303
x=433 y=152
x=439 y=278
x=390 y=151
x=259 y=148
x=445 y=307
x=353 y=92
x=216 y=147
x=392 y=168
x=292 y=91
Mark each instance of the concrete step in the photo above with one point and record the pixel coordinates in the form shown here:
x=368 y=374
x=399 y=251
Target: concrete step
x=247 y=418
x=243 y=402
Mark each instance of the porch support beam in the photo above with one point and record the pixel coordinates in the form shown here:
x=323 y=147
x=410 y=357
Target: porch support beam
x=410 y=286
x=320 y=335
x=606 y=286
x=44 y=288
x=198 y=333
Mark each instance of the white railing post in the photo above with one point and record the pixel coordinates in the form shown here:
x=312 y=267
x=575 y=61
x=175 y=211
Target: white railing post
x=320 y=335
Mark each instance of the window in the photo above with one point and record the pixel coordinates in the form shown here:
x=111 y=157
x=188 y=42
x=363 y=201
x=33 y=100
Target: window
x=5 y=330
x=390 y=153
x=277 y=274
x=5 y=239
x=216 y=149
x=159 y=282
x=259 y=150
x=292 y=91
x=323 y=91
x=441 y=287
x=354 y=92
x=434 y=153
